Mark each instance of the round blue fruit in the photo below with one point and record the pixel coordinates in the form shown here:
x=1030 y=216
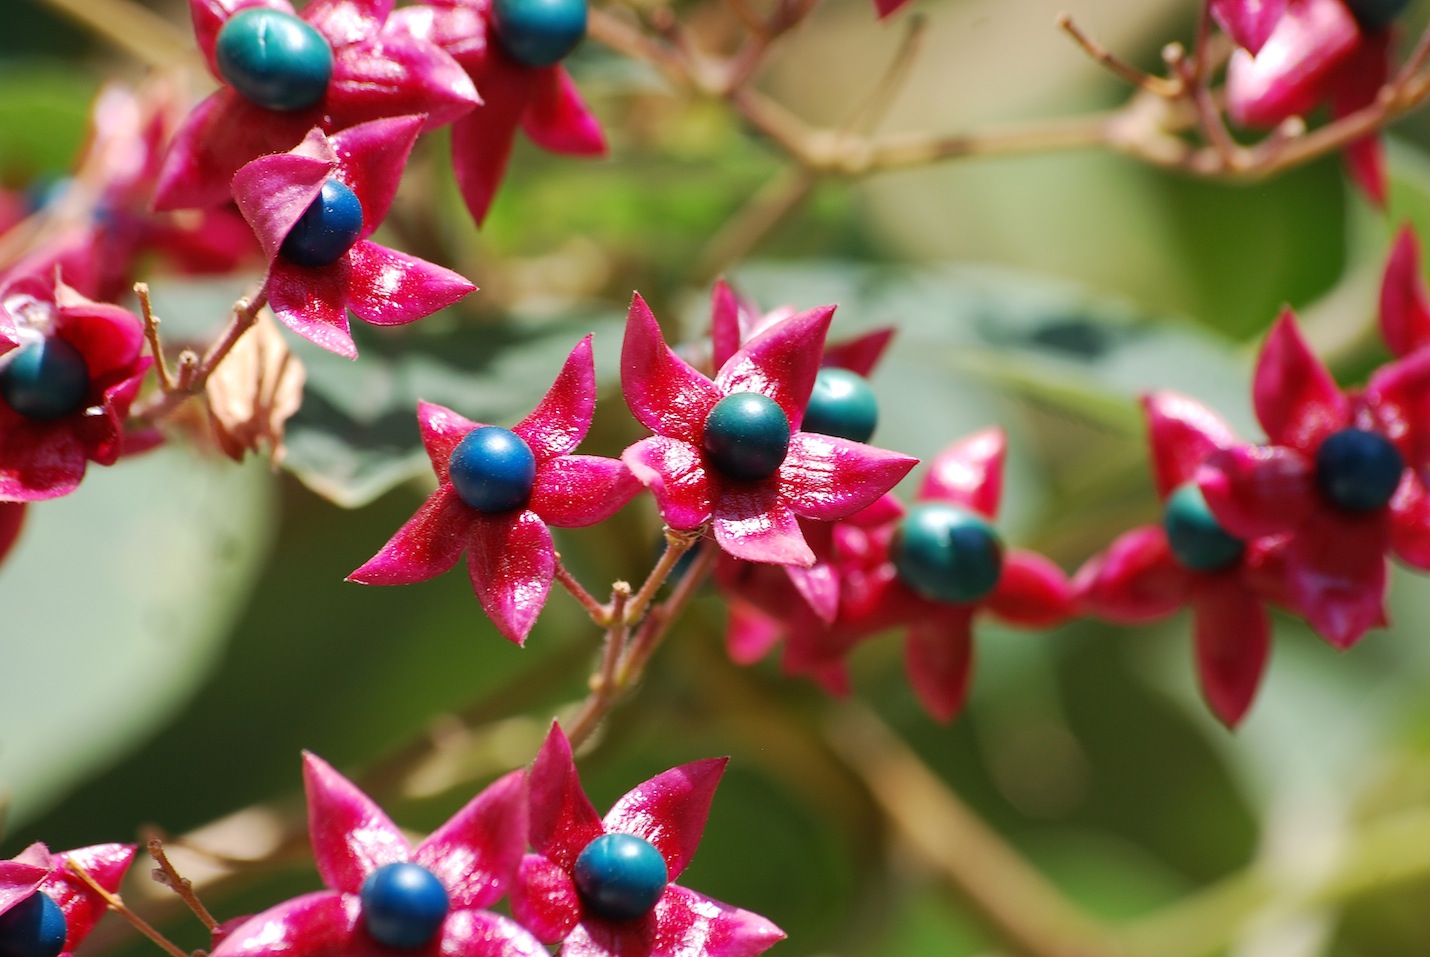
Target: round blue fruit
x=620 y=876
x=746 y=436
x=1376 y=14
x=539 y=33
x=1196 y=539
x=947 y=553
x=842 y=404
x=492 y=469
x=273 y=59
x=45 y=380
x=403 y=905
x=1358 y=470
x=327 y=229
x=35 y=927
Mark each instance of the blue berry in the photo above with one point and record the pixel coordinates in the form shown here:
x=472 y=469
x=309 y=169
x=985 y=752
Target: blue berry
x=45 y=380
x=35 y=927
x=1197 y=540
x=327 y=229
x=1376 y=14
x=403 y=905
x=273 y=59
x=1358 y=470
x=620 y=876
x=746 y=436
x=539 y=33
x=947 y=553
x=492 y=469
x=841 y=404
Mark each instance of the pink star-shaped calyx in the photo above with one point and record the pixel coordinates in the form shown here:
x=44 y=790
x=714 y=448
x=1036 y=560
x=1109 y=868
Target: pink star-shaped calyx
x=381 y=286
x=666 y=815
x=1404 y=299
x=752 y=512
x=509 y=552
x=37 y=871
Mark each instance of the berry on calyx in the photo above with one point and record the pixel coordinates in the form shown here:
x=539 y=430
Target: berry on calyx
x=492 y=469
x=35 y=927
x=1358 y=470
x=1196 y=538
x=842 y=404
x=947 y=553
x=746 y=436
x=403 y=905
x=273 y=59
x=327 y=229
x=1376 y=14
x=620 y=876
x=539 y=33
x=45 y=380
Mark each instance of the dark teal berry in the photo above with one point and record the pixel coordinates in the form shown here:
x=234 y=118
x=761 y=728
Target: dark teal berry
x=1358 y=470
x=492 y=469
x=327 y=229
x=403 y=905
x=1376 y=14
x=947 y=553
x=273 y=59
x=35 y=927
x=539 y=33
x=45 y=380
x=746 y=436
x=1196 y=538
x=841 y=404
x=620 y=876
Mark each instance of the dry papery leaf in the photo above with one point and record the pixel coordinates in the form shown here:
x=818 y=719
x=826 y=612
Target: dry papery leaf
x=254 y=391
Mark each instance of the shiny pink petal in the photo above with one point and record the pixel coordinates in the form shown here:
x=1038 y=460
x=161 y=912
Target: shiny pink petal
x=38 y=460
x=683 y=924
x=396 y=74
x=663 y=392
x=1249 y=23
x=1256 y=490
x=1409 y=526
x=1398 y=400
x=426 y=546
x=18 y=880
x=103 y=435
x=273 y=192
x=322 y=924
x=456 y=26
x=750 y=634
x=818 y=584
x=1134 y=580
x=780 y=363
x=389 y=288
x=312 y=302
x=80 y=903
x=1032 y=591
x=372 y=157
x=1286 y=76
x=442 y=431
x=479 y=933
x=560 y=421
x=938 y=657
x=476 y=853
x=1233 y=640
x=1336 y=574
x=209 y=16
x=346 y=21
x=750 y=521
x=888 y=7
x=557 y=119
x=1183 y=433
x=544 y=898
x=670 y=810
x=674 y=471
x=725 y=331
x=1404 y=298
x=861 y=354
x=562 y=820
x=351 y=835
x=511 y=562
x=1297 y=401
x=109 y=338
x=482 y=140
x=573 y=491
x=828 y=478
x=968 y=473
x=12 y=520
x=1356 y=83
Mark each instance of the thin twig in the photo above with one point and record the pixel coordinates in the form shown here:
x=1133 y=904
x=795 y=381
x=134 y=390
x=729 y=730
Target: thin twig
x=179 y=885
x=151 y=335
x=117 y=905
x=753 y=222
x=604 y=683
x=1161 y=86
x=657 y=623
x=134 y=28
x=193 y=373
x=677 y=543
x=871 y=112
x=598 y=612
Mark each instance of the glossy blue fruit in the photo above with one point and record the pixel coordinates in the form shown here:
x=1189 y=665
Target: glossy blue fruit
x=35 y=927
x=403 y=905
x=1376 y=14
x=620 y=876
x=492 y=469
x=327 y=229
x=273 y=59
x=947 y=553
x=746 y=436
x=1358 y=470
x=841 y=404
x=45 y=380
x=1197 y=540
x=539 y=33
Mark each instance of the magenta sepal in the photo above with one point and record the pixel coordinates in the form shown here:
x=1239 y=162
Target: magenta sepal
x=37 y=870
x=1287 y=75
x=510 y=556
x=669 y=811
x=1404 y=298
x=1249 y=23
